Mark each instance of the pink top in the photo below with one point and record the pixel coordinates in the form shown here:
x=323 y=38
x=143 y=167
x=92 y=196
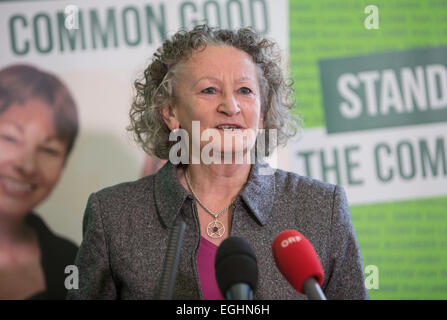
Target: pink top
x=207 y=275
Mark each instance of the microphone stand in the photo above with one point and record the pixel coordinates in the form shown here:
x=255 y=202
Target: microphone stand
x=172 y=259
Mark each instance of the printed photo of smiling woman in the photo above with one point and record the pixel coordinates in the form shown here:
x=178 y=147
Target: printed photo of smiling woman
x=38 y=128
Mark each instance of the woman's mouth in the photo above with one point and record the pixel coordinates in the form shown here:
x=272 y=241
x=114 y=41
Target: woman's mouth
x=15 y=188
x=229 y=127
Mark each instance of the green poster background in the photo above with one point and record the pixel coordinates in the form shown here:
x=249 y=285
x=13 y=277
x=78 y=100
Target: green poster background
x=406 y=240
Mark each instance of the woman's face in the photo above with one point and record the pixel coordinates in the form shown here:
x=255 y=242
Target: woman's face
x=219 y=87
x=31 y=156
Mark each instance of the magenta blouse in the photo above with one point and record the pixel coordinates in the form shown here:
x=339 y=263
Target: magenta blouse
x=205 y=263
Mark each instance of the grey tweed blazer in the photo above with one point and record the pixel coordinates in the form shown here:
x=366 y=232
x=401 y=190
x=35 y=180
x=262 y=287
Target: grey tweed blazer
x=126 y=227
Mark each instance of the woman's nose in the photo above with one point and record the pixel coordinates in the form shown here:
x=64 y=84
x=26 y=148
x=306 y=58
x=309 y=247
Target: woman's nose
x=26 y=163
x=229 y=105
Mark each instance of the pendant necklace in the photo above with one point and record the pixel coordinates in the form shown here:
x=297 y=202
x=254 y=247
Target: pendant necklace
x=215 y=229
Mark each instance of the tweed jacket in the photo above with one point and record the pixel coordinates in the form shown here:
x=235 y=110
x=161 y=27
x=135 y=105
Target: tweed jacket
x=126 y=227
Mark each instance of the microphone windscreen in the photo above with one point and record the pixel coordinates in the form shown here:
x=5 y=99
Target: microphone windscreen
x=296 y=259
x=235 y=263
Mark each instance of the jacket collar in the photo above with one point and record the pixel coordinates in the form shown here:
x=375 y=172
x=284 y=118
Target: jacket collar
x=169 y=194
x=258 y=193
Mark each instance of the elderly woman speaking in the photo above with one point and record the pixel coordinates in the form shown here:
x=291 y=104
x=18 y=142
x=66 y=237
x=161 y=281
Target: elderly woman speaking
x=221 y=88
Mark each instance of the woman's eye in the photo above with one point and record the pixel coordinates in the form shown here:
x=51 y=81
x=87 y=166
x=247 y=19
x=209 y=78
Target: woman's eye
x=245 y=90
x=50 y=151
x=209 y=90
x=8 y=138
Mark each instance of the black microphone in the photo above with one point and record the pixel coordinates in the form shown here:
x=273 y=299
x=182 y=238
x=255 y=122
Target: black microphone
x=172 y=258
x=236 y=269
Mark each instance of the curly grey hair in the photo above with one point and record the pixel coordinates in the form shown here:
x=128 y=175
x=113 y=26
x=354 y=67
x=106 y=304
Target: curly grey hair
x=155 y=90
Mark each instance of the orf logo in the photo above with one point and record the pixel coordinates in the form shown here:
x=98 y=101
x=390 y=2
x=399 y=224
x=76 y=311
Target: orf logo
x=285 y=243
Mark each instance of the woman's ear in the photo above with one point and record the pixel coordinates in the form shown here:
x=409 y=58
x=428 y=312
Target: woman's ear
x=169 y=115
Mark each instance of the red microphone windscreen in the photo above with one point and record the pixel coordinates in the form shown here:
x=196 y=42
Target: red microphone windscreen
x=296 y=258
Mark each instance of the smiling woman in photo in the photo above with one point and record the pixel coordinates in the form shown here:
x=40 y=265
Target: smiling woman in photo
x=38 y=127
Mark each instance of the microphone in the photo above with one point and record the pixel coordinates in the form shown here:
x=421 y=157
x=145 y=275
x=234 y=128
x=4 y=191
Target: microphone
x=298 y=262
x=236 y=269
x=172 y=259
